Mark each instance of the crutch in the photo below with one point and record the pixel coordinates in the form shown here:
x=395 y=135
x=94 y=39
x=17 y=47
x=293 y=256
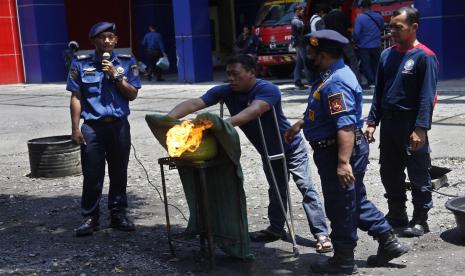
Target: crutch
x=279 y=156
x=275 y=183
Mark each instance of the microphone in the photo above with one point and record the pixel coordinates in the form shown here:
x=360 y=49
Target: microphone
x=106 y=56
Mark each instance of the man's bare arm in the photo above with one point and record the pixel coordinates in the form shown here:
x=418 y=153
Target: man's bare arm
x=345 y=146
x=187 y=107
x=253 y=111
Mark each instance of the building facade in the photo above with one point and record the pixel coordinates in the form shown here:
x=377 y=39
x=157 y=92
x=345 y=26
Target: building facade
x=198 y=33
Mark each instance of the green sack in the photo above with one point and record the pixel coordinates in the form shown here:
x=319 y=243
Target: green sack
x=226 y=196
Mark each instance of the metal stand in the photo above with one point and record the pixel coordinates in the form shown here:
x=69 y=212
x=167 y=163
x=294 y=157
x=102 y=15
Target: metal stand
x=203 y=216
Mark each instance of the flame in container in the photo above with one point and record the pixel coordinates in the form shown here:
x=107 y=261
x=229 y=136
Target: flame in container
x=186 y=136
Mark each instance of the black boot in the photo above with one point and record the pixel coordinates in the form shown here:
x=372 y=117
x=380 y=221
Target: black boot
x=418 y=226
x=397 y=215
x=120 y=221
x=342 y=262
x=88 y=226
x=389 y=248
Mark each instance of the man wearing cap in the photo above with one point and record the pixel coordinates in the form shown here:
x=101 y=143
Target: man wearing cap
x=403 y=104
x=102 y=84
x=332 y=124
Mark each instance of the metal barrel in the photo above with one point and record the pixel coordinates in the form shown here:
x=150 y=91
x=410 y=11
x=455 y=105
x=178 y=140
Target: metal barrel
x=55 y=156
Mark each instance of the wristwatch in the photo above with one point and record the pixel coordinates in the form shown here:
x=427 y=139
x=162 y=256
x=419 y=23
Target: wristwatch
x=118 y=77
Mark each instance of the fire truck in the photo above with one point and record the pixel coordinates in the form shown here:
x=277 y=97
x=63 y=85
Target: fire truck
x=273 y=27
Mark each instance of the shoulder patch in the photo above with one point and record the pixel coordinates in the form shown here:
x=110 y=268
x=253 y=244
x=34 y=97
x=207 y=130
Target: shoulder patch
x=337 y=103
x=124 y=56
x=82 y=57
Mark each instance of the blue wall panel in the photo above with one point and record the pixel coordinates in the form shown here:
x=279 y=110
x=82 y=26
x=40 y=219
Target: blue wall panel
x=44 y=38
x=442 y=29
x=193 y=40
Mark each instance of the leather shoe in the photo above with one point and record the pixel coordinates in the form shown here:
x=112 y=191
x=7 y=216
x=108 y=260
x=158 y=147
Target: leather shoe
x=121 y=222
x=88 y=227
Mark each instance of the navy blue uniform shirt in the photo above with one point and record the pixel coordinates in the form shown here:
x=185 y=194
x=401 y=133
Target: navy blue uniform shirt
x=153 y=41
x=99 y=95
x=406 y=80
x=334 y=102
x=237 y=101
x=367 y=31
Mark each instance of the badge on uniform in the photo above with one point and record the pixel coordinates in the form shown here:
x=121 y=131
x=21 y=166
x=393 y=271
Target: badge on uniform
x=311 y=115
x=135 y=70
x=337 y=103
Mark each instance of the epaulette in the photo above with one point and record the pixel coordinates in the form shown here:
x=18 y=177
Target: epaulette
x=82 y=57
x=124 y=56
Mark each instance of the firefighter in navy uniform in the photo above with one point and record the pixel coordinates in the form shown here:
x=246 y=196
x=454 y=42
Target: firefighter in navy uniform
x=332 y=124
x=403 y=104
x=101 y=89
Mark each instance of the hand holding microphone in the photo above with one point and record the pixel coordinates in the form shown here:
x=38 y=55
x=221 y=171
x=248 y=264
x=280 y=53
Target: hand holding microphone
x=107 y=66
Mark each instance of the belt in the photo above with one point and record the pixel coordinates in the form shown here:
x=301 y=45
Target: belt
x=326 y=143
x=322 y=144
x=103 y=120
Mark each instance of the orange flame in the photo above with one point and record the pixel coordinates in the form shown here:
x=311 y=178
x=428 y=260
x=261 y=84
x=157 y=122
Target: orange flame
x=186 y=136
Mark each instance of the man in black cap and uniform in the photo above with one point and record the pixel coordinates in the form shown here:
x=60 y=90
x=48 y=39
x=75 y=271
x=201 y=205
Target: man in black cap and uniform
x=332 y=124
x=102 y=84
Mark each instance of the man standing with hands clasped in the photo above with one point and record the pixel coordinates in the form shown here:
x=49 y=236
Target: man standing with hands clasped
x=102 y=84
x=403 y=103
x=332 y=124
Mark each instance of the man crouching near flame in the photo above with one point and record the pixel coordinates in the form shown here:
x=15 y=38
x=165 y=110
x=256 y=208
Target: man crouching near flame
x=248 y=98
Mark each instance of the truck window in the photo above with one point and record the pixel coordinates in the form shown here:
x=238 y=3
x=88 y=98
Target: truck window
x=277 y=12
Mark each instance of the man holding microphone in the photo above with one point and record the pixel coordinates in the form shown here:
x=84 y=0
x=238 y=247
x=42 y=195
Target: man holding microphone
x=102 y=84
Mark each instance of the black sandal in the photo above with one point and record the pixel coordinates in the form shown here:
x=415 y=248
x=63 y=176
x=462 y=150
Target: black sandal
x=320 y=248
x=265 y=235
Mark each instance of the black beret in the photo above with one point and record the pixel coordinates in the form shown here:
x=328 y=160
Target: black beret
x=100 y=28
x=325 y=39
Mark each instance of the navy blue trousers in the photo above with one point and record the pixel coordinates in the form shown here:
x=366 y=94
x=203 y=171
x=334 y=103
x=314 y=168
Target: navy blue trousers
x=348 y=208
x=395 y=156
x=110 y=142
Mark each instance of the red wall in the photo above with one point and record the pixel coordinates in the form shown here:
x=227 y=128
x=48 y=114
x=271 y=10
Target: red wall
x=11 y=63
x=82 y=14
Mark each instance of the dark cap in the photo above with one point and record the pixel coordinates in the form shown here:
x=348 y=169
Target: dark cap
x=100 y=28
x=326 y=39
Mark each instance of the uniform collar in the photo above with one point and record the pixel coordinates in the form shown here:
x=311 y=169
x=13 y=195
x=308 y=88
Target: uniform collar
x=335 y=66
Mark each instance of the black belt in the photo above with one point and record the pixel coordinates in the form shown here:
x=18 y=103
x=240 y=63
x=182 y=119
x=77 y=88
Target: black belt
x=326 y=143
x=103 y=120
x=322 y=144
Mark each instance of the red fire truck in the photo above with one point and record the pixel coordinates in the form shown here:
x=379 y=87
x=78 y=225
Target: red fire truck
x=273 y=27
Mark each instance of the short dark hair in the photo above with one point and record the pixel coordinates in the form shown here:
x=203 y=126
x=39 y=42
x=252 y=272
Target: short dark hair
x=246 y=61
x=365 y=4
x=413 y=16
